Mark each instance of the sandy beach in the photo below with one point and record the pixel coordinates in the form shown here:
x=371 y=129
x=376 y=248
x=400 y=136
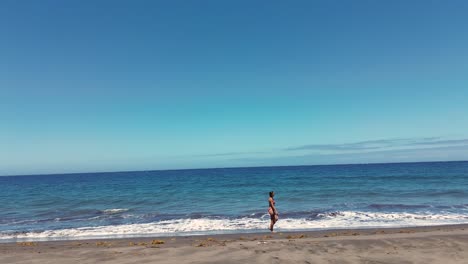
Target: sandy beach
x=440 y=244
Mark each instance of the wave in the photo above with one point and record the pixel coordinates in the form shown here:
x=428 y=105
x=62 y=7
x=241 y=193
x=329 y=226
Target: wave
x=397 y=206
x=193 y=226
x=115 y=211
x=73 y=216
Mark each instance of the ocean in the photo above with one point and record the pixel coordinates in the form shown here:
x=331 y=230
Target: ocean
x=231 y=200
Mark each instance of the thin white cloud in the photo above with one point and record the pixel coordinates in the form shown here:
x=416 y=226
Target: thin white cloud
x=382 y=144
x=448 y=153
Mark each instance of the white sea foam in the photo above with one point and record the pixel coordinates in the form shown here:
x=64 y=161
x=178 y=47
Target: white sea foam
x=115 y=211
x=347 y=219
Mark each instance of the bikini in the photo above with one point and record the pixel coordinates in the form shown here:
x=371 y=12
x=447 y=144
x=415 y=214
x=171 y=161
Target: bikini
x=270 y=209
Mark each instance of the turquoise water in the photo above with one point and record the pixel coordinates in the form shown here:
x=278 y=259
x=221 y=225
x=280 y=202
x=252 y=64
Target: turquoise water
x=181 y=202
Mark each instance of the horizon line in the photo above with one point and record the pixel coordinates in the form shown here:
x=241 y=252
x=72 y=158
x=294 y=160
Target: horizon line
x=239 y=167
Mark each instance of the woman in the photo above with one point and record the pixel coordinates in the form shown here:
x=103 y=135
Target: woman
x=272 y=211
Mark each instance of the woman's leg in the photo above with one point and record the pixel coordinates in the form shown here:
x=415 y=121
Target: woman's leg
x=272 y=222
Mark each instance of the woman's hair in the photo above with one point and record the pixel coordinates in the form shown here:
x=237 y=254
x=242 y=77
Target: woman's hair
x=271 y=194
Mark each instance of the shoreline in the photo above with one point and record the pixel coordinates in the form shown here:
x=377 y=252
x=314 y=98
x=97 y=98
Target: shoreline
x=433 y=244
x=257 y=235
x=423 y=244
x=247 y=234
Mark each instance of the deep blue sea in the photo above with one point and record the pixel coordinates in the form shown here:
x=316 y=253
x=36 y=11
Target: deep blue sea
x=235 y=200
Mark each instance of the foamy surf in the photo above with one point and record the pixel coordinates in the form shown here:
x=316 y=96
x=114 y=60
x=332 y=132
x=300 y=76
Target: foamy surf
x=115 y=211
x=338 y=220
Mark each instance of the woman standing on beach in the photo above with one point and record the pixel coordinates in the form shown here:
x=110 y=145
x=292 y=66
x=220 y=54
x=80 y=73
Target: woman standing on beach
x=272 y=211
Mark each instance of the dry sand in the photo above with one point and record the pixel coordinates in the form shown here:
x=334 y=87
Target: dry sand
x=444 y=244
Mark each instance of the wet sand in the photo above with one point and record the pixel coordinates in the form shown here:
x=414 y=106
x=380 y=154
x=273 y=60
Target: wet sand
x=439 y=244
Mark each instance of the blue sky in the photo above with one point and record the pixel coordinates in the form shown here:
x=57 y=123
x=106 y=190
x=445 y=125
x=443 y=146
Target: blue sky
x=138 y=85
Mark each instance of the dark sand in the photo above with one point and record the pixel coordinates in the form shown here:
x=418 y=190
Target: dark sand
x=440 y=244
